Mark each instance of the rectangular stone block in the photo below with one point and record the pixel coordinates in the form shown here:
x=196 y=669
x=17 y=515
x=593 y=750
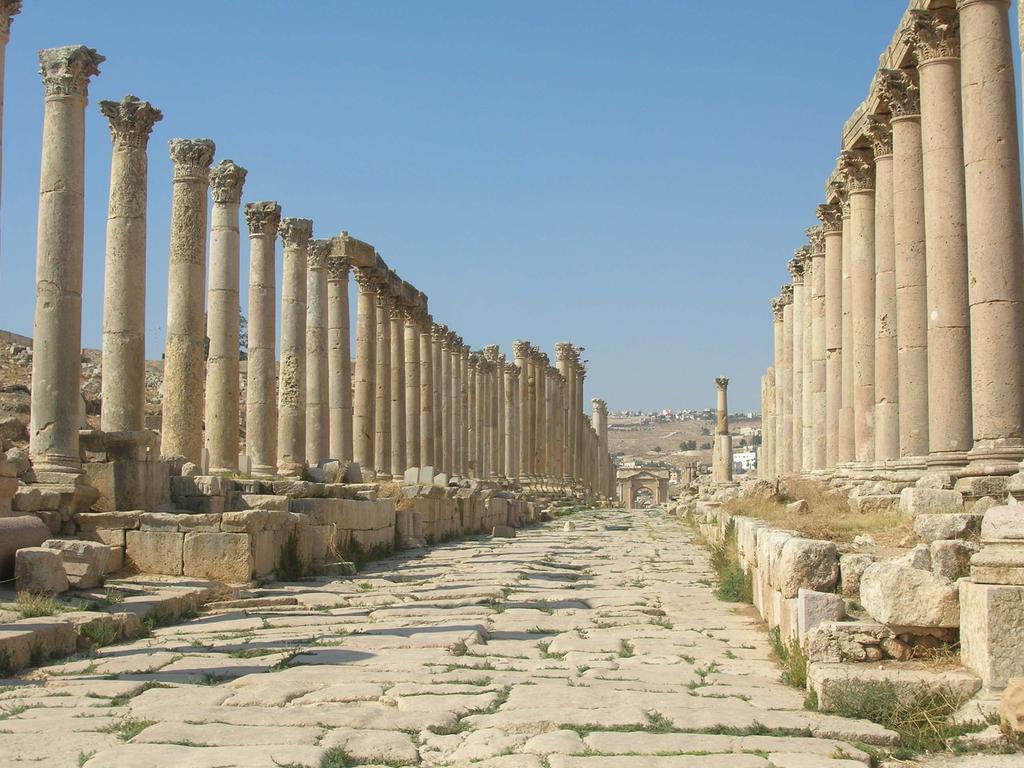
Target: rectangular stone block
x=219 y=556
x=991 y=628
x=815 y=607
x=155 y=551
x=115 y=560
x=929 y=501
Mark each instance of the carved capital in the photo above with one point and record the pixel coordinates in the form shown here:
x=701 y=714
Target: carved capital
x=777 y=306
x=337 y=268
x=796 y=265
x=131 y=121
x=438 y=331
x=295 y=232
x=520 y=349
x=511 y=369
x=817 y=238
x=879 y=132
x=66 y=71
x=786 y=295
x=191 y=158
x=366 y=280
x=721 y=382
x=898 y=88
x=226 y=182
x=564 y=351
x=858 y=169
x=934 y=34
x=831 y=218
x=491 y=353
x=263 y=217
x=318 y=253
x=475 y=360
x=8 y=8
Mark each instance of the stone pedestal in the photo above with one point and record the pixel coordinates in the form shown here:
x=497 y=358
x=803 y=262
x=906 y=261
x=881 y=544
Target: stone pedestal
x=291 y=382
x=126 y=470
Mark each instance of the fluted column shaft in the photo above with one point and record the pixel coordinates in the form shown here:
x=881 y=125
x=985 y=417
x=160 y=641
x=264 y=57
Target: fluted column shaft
x=123 y=385
x=291 y=375
x=382 y=422
x=222 y=319
x=364 y=407
x=427 y=457
x=263 y=219
x=412 y=390
x=339 y=390
x=318 y=380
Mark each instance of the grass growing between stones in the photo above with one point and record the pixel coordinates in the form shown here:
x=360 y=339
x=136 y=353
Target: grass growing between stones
x=734 y=584
x=31 y=605
x=792 y=658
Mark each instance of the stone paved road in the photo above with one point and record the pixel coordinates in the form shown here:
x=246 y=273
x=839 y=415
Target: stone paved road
x=588 y=649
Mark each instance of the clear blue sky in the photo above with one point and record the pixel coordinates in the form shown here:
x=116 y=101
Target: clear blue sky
x=632 y=176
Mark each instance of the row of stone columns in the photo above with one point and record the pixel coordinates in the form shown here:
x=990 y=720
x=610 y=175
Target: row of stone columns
x=914 y=282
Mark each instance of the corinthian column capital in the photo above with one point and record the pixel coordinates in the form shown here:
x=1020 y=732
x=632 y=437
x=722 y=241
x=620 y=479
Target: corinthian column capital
x=8 y=8
x=934 y=34
x=66 y=71
x=318 y=254
x=858 y=170
x=191 y=158
x=263 y=217
x=131 y=121
x=295 y=231
x=899 y=89
x=879 y=132
x=226 y=181
x=831 y=218
x=777 y=306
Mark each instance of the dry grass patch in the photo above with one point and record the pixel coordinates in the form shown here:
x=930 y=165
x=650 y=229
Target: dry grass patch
x=828 y=517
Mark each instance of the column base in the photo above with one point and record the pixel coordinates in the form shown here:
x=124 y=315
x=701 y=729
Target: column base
x=994 y=457
x=951 y=461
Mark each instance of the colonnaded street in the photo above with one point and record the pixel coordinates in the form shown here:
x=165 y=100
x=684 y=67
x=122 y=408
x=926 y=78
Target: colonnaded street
x=593 y=647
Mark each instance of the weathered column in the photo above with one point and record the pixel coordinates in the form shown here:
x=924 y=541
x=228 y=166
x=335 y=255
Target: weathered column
x=807 y=388
x=364 y=408
x=437 y=335
x=601 y=427
x=778 y=307
x=499 y=411
x=766 y=460
x=796 y=266
x=223 y=312
x=520 y=350
x=398 y=435
x=457 y=442
x=427 y=457
x=474 y=427
x=786 y=439
x=263 y=219
x=318 y=381
x=995 y=234
x=832 y=232
x=57 y=328
x=559 y=426
x=847 y=447
x=563 y=361
x=447 y=445
x=123 y=384
x=581 y=374
x=382 y=420
x=8 y=8
x=339 y=357
x=935 y=37
x=464 y=409
x=412 y=386
x=181 y=430
x=291 y=374
x=723 y=472
x=818 y=409
x=859 y=170
x=899 y=90
x=887 y=410
x=511 y=374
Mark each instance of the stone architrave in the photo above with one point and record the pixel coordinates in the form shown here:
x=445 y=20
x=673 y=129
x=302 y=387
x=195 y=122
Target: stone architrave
x=814 y=430
x=886 y=387
x=123 y=385
x=899 y=90
x=859 y=170
x=935 y=38
x=223 y=313
x=830 y=216
x=318 y=414
x=263 y=219
x=382 y=422
x=995 y=234
x=797 y=266
x=411 y=348
x=365 y=377
x=785 y=450
x=847 y=447
x=339 y=354
x=57 y=327
x=181 y=429
x=8 y=9
x=437 y=334
x=291 y=375
x=426 y=394
x=397 y=399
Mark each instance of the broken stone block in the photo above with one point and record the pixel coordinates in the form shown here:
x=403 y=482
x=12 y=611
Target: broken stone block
x=17 y=533
x=983 y=505
x=933 y=527
x=835 y=641
x=218 y=556
x=503 y=532
x=851 y=568
x=919 y=557
x=991 y=625
x=806 y=563
x=816 y=607
x=1011 y=706
x=896 y=593
x=930 y=501
x=85 y=562
x=425 y=476
x=39 y=570
x=800 y=507
x=878 y=504
x=951 y=559
x=828 y=680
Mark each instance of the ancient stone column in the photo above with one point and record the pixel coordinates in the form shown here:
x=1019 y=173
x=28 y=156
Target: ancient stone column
x=723 y=472
x=511 y=374
x=796 y=267
x=785 y=457
x=291 y=374
x=364 y=408
x=447 y=444
x=382 y=420
x=184 y=368
x=859 y=170
x=581 y=374
x=456 y=410
x=887 y=411
x=995 y=234
x=807 y=389
x=847 y=448
x=601 y=427
x=899 y=90
x=427 y=458
x=935 y=38
x=318 y=379
x=398 y=435
x=57 y=328
x=832 y=232
x=339 y=356
x=123 y=384
x=563 y=361
x=8 y=8
x=223 y=312
x=474 y=427
x=817 y=422
x=412 y=386
x=520 y=350
x=499 y=411
x=766 y=461
x=263 y=219
x=437 y=335
x=464 y=432
x=778 y=307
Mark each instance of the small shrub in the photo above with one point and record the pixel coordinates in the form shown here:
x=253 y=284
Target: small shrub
x=6 y=663
x=37 y=654
x=734 y=584
x=31 y=605
x=290 y=566
x=792 y=658
x=101 y=633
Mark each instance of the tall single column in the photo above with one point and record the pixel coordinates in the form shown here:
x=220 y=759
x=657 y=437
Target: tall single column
x=427 y=457
x=723 y=472
x=601 y=427
x=563 y=361
x=832 y=232
x=935 y=37
x=520 y=351
x=474 y=425
x=263 y=219
x=447 y=445
x=995 y=234
x=398 y=434
x=797 y=265
x=223 y=313
x=456 y=410
x=817 y=421
x=540 y=443
x=847 y=449
x=778 y=307
x=786 y=440
x=464 y=404
x=184 y=368
x=364 y=407
x=291 y=374
x=412 y=387
x=57 y=328
x=123 y=384
x=317 y=367
x=900 y=92
x=8 y=8
x=766 y=458
x=511 y=374
x=339 y=356
x=437 y=335
x=499 y=410
x=859 y=170
x=382 y=420
x=581 y=374
x=807 y=389
x=887 y=409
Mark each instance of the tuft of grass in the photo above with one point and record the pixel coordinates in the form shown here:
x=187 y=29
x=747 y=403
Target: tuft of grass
x=792 y=658
x=101 y=633
x=85 y=757
x=6 y=663
x=127 y=729
x=31 y=605
x=335 y=757
x=734 y=584
x=625 y=649
x=289 y=563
